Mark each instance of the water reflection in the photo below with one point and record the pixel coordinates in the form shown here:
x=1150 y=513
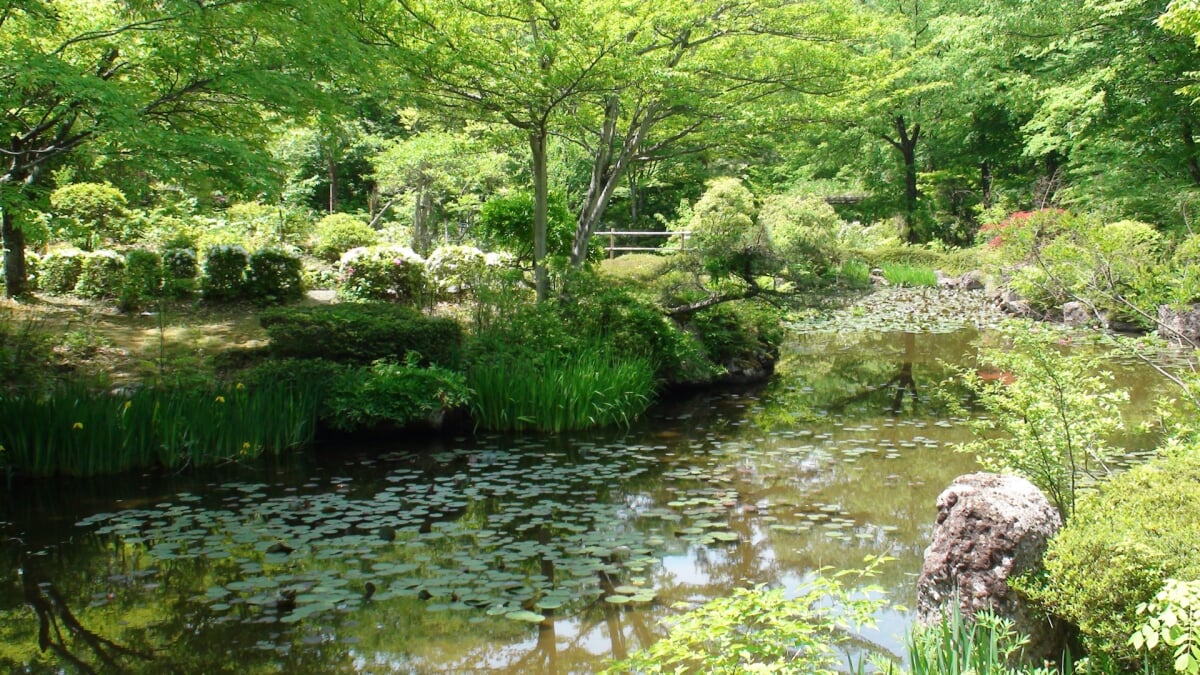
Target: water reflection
x=409 y=558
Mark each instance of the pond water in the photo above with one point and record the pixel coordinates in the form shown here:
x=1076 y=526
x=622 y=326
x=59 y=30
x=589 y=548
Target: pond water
x=501 y=554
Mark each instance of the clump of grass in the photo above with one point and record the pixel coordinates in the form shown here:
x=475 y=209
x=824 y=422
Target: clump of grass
x=909 y=275
x=957 y=645
x=75 y=431
x=561 y=391
x=854 y=273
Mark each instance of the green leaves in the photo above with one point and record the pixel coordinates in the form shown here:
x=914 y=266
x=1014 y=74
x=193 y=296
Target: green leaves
x=1050 y=415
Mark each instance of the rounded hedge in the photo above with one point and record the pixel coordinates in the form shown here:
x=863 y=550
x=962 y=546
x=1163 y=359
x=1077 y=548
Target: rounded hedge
x=59 y=271
x=1120 y=547
x=455 y=271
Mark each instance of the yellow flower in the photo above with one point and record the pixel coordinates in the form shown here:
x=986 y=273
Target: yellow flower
x=128 y=405
x=77 y=425
x=220 y=399
x=246 y=445
x=240 y=386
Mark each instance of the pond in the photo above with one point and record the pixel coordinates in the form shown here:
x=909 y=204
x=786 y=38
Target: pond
x=506 y=554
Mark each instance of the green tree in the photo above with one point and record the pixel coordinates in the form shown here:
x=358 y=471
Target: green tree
x=185 y=87
x=442 y=172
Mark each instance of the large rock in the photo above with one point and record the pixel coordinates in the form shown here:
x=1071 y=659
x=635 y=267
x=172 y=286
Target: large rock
x=990 y=528
x=1077 y=314
x=1181 y=326
x=1009 y=302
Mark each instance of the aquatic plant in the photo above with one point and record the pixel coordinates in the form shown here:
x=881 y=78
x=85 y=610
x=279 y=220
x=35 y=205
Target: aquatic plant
x=591 y=388
x=75 y=431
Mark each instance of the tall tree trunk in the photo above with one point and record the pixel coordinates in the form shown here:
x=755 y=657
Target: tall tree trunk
x=985 y=183
x=14 y=255
x=1189 y=145
x=905 y=143
x=333 y=185
x=422 y=209
x=609 y=165
x=541 y=198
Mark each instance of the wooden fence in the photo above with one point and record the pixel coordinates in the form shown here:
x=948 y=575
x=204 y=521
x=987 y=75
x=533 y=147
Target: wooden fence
x=612 y=247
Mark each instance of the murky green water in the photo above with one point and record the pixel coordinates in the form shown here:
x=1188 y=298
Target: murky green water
x=496 y=554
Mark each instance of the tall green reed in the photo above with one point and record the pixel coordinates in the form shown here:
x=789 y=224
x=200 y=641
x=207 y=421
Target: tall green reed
x=909 y=275
x=73 y=430
x=560 y=391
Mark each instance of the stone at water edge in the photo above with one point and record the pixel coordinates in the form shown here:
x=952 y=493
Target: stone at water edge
x=1181 y=326
x=990 y=528
x=1077 y=314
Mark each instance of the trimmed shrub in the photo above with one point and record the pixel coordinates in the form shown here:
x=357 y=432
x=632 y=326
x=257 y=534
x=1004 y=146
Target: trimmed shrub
x=337 y=233
x=1185 y=283
x=143 y=279
x=725 y=232
x=1120 y=547
x=803 y=232
x=179 y=272
x=274 y=276
x=59 y=271
x=455 y=271
x=1017 y=237
x=224 y=276
x=33 y=269
x=392 y=393
x=101 y=276
x=389 y=273
x=362 y=333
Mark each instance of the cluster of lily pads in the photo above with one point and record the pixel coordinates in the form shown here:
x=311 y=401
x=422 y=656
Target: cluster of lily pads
x=925 y=310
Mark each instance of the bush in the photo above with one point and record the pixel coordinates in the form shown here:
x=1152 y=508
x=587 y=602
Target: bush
x=760 y=630
x=1018 y=237
x=390 y=392
x=224 y=276
x=390 y=273
x=737 y=332
x=1124 y=542
x=1185 y=283
x=265 y=225
x=143 y=279
x=1115 y=268
x=1054 y=415
x=725 y=234
x=455 y=271
x=362 y=333
x=59 y=271
x=803 y=232
x=90 y=213
x=179 y=272
x=337 y=233
x=507 y=222
x=102 y=275
x=274 y=276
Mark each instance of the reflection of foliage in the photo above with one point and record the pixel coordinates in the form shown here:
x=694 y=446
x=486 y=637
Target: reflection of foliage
x=762 y=630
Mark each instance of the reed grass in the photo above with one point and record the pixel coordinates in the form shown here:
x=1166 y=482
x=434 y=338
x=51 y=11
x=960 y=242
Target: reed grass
x=909 y=275
x=957 y=645
x=75 y=431
x=560 y=392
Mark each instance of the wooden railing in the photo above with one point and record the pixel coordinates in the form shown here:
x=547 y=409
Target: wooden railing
x=612 y=247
